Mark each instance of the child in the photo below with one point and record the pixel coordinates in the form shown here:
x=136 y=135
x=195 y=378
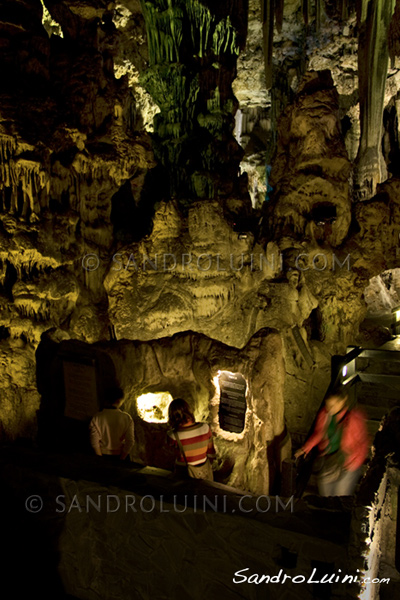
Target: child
x=195 y=447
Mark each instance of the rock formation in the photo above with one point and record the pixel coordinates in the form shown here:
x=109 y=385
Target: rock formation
x=134 y=206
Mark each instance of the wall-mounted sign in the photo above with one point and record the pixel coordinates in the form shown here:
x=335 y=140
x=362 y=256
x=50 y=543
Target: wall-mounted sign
x=232 y=405
x=80 y=388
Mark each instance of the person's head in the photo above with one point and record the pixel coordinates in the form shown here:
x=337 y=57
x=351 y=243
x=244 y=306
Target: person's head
x=336 y=401
x=179 y=413
x=114 y=397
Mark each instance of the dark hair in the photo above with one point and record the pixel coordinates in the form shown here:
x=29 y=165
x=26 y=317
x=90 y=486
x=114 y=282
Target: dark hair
x=179 y=413
x=113 y=396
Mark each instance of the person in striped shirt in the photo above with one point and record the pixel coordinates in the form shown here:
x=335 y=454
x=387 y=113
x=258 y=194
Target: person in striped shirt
x=195 y=438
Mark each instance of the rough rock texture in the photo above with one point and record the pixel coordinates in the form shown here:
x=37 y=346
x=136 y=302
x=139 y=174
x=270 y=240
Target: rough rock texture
x=304 y=385
x=311 y=169
x=113 y=225
x=85 y=190
x=20 y=398
x=329 y=41
x=205 y=278
x=186 y=366
x=382 y=293
x=132 y=58
x=67 y=144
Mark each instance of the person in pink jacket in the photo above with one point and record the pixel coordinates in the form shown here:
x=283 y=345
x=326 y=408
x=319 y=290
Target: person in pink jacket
x=342 y=440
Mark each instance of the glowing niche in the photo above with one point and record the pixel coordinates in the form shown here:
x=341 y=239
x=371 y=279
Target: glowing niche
x=232 y=404
x=153 y=407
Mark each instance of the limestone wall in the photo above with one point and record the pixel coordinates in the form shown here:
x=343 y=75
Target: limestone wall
x=186 y=365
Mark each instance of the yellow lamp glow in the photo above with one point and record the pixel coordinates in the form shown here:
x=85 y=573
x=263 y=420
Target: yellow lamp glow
x=153 y=407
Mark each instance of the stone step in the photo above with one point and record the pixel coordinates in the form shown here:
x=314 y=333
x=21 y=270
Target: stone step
x=388 y=381
x=383 y=367
x=377 y=410
x=375 y=413
x=377 y=395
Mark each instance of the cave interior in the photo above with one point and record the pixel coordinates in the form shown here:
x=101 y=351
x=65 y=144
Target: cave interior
x=198 y=200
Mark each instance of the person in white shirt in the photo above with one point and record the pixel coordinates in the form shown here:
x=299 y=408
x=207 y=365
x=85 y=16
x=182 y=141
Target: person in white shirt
x=111 y=429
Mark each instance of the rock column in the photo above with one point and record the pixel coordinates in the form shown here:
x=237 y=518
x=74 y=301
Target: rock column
x=373 y=21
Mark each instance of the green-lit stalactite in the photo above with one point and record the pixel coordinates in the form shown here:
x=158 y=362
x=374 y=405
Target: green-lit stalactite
x=224 y=39
x=373 y=24
x=192 y=61
x=164 y=31
x=201 y=22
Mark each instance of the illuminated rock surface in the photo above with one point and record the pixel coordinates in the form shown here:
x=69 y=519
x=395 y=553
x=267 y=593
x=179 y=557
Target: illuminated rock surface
x=118 y=142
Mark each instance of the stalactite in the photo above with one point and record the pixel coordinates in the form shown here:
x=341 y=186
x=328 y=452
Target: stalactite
x=31 y=180
x=24 y=179
x=176 y=19
x=214 y=103
x=279 y=6
x=267 y=17
x=7 y=147
x=318 y=10
x=306 y=10
x=164 y=23
x=344 y=12
x=7 y=151
x=201 y=23
x=224 y=38
x=394 y=34
x=373 y=23
x=205 y=47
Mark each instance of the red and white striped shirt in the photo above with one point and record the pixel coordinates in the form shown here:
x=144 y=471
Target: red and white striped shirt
x=197 y=443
